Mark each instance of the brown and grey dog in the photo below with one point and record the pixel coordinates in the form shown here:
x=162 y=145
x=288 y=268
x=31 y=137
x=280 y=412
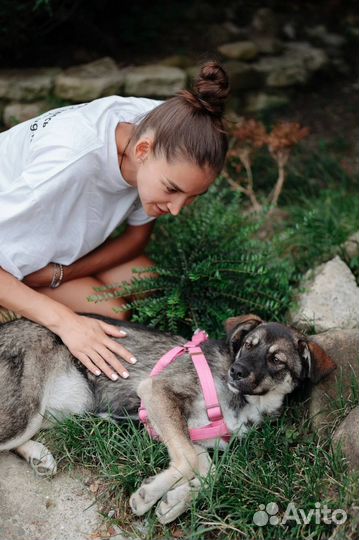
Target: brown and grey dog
x=254 y=369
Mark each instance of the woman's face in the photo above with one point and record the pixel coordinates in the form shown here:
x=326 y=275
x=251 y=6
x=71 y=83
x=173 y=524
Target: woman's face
x=165 y=188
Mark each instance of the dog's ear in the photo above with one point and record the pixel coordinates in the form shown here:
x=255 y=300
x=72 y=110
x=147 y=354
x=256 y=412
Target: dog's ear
x=237 y=328
x=317 y=361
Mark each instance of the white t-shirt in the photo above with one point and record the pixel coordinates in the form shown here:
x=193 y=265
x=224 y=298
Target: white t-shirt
x=61 y=190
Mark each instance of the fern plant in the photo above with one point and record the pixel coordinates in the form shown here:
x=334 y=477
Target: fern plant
x=209 y=266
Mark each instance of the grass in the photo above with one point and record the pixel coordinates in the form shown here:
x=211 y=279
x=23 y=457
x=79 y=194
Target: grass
x=280 y=462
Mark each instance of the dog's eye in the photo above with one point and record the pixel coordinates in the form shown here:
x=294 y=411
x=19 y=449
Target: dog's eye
x=276 y=360
x=248 y=345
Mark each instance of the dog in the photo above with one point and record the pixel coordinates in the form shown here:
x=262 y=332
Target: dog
x=254 y=368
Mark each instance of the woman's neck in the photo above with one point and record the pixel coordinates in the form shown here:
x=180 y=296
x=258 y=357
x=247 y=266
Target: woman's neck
x=126 y=162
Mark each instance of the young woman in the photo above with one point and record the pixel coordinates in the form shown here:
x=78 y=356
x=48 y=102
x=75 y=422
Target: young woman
x=69 y=177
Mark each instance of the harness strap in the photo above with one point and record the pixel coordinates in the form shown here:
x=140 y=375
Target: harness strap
x=217 y=428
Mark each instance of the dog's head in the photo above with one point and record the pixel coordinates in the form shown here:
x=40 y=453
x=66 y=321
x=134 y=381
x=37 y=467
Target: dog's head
x=271 y=356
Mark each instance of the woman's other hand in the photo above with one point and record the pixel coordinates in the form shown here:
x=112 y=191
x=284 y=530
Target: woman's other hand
x=90 y=341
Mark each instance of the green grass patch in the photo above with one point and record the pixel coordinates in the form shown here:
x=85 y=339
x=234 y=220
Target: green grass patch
x=278 y=462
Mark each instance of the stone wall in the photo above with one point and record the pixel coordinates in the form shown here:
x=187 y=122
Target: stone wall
x=263 y=60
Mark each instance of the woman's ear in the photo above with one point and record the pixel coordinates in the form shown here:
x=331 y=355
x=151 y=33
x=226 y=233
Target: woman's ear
x=143 y=148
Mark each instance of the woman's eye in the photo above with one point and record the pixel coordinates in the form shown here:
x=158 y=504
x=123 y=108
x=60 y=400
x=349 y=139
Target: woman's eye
x=171 y=190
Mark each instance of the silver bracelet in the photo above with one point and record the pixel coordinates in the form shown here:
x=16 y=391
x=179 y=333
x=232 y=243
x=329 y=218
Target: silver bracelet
x=57 y=276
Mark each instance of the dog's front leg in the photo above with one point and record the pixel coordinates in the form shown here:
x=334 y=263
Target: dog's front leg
x=179 y=499
x=166 y=417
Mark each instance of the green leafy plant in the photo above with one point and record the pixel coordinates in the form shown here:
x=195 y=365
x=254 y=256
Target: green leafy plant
x=209 y=266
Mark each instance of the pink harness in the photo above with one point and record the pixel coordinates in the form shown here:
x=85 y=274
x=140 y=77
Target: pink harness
x=217 y=427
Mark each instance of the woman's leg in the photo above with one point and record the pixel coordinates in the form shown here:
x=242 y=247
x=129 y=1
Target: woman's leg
x=124 y=272
x=74 y=293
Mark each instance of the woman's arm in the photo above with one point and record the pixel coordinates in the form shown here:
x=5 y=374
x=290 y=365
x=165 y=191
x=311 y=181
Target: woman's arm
x=110 y=254
x=87 y=339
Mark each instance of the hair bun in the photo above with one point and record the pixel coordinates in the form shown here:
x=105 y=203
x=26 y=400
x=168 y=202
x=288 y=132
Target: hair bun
x=210 y=90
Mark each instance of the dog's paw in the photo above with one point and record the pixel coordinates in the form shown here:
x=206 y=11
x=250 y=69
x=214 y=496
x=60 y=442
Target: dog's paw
x=43 y=462
x=176 y=501
x=144 y=498
x=38 y=457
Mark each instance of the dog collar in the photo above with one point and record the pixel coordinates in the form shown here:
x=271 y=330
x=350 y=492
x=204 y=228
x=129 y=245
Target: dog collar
x=217 y=428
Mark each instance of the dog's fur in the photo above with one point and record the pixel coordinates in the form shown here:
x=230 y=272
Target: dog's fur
x=254 y=368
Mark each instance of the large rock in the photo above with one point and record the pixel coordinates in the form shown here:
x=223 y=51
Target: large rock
x=294 y=67
x=34 y=508
x=14 y=113
x=239 y=50
x=325 y=398
x=331 y=299
x=90 y=81
x=27 y=84
x=154 y=80
x=347 y=437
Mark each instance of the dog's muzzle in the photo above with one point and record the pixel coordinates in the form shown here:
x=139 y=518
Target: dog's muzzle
x=240 y=379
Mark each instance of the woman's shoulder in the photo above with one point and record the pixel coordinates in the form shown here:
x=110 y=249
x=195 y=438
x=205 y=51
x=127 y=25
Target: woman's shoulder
x=126 y=109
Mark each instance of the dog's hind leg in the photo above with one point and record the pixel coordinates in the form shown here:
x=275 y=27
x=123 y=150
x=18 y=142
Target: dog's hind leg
x=39 y=457
x=166 y=417
x=179 y=499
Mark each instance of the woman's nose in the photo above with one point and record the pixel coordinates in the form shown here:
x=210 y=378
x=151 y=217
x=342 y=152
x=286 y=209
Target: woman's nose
x=176 y=205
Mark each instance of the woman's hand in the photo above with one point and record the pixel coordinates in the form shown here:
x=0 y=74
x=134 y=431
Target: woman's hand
x=88 y=340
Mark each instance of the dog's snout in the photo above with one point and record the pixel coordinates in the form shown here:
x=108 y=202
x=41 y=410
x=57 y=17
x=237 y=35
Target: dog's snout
x=238 y=371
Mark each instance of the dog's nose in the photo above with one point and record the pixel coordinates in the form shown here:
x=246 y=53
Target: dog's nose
x=238 y=372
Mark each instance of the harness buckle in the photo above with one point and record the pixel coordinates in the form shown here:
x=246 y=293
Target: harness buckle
x=214 y=412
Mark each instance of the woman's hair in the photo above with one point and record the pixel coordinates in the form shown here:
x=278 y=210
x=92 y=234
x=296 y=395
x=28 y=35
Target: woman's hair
x=190 y=125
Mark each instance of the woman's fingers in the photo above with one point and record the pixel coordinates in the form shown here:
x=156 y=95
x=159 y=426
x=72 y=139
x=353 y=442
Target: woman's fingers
x=120 y=350
x=84 y=359
x=112 y=330
x=89 y=340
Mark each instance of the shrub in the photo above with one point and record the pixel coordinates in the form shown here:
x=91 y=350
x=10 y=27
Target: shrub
x=210 y=266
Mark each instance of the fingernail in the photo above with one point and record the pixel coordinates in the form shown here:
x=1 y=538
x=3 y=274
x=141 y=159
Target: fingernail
x=125 y=374
x=114 y=377
x=97 y=372
x=133 y=360
x=123 y=333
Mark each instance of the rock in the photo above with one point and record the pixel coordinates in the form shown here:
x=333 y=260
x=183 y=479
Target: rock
x=242 y=76
x=331 y=299
x=265 y=22
x=293 y=67
x=351 y=246
x=322 y=36
x=14 y=113
x=268 y=44
x=342 y=346
x=347 y=437
x=154 y=81
x=239 y=50
x=313 y=58
x=33 y=508
x=90 y=81
x=280 y=72
x=262 y=101
x=177 y=60
x=27 y=84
